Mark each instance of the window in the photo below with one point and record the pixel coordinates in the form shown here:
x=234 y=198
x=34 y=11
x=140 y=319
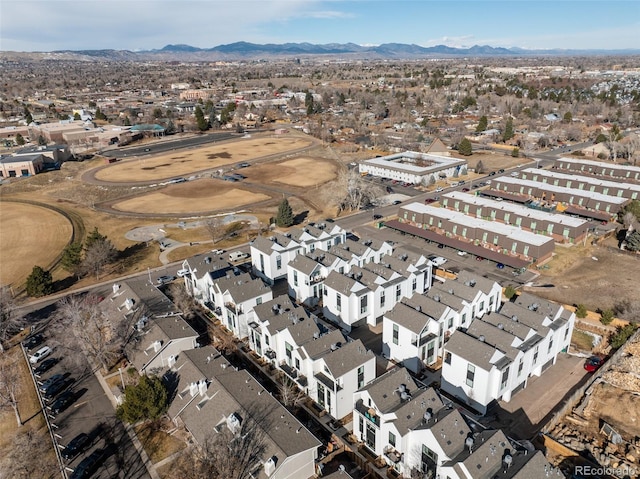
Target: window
x=550 y=345
x=520 y=366
x=297 y=363
x=258 y=300
x=505 y=379
x=414 y=285
x=481 y=305
x=321 y=395
x=396 y=330
x=566 y=332
x=360 y=377
x=471 y=372
x=382 y=299
x=392 y=439
x=266 y=340
x=363 y=304
x=464 y=318
x=447 y=357
x=262 y=263
x=339 y=302
x=295 y=278
x=278 y=262
x=398 y=292
x=450 y=323
x=288 y=349
x=535 y=355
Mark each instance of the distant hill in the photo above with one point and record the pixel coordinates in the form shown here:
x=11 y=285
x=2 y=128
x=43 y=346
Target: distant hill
x=254 y=51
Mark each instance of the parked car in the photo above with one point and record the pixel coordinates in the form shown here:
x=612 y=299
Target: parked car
x=462 y=253
x=243 y=165
x=500 y=266
x=182 y=272
x=40 y=354
x=33 y=341
x=439 y=261
x=76 y=446
x=440 y=245
x=464 y=190
x=88 y=465
x=165 y=279
x=429 y=200
x=218 y=251
x=593 y=363
x=501 y=170
x=45 y=385
x=493 y=173
x=62 y=403
x=377 y=217
x=57 y=388
x=44 y=366
x=396 y=202
x=439 y=189
x=237 y=256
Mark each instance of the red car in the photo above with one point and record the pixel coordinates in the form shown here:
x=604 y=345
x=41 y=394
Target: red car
x=593 y=363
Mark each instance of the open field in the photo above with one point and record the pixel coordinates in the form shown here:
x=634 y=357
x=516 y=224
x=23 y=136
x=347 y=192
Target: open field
x=193 y=197
x=29 y=235
x=187 y=162
x=601 y=283
x=301 y=172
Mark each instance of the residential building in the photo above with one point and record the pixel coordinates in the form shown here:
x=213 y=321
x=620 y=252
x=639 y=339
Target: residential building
x=494 y=357
x=307 y=272
x=599 y=169
x=506 y=240
x=413 y=167
x=535 y=218
x=203 y=271
x=215 y=399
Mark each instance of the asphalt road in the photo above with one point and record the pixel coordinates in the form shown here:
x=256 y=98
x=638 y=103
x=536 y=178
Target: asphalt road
x=169 y=144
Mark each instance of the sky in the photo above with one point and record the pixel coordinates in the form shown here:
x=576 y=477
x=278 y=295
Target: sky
x=48 y=25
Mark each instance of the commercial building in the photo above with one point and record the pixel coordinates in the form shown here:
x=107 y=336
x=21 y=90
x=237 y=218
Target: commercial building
x=413 y=167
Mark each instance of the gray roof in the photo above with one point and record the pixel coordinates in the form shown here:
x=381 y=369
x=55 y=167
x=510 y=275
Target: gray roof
x=471 y=349
x=322 y=345
x=148 y=294
x=408 y=317
x=347 y=357
x=449 y=430
x=426 y=305
x=280 y=314
x=304 y=264
x=441 y=294
x=383 y=389
x=341 y=283
x=494 y=336
x=242 y=287
x=410 y=414
x=481 y=283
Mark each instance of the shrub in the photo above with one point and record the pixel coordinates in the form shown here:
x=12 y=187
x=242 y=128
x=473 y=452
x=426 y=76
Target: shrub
x=146 y=400
x=606 y=316
x=617 y=339
x=581 y=311
x=509 y=292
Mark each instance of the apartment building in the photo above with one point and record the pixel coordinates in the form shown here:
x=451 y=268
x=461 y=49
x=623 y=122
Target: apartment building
x=599 y=169
x=412 y=167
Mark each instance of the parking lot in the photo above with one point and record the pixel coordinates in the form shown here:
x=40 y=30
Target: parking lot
x=75 y=403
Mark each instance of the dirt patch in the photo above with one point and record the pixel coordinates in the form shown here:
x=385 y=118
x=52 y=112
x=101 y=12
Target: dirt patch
x=208 y=158
x=616 y=407
x=579 y=279
x=29 y=235
x=177 y=199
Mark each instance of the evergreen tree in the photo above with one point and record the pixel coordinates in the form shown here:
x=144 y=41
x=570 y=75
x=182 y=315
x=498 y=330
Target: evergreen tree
x=600 y=138
x=309 y=103
x=94 y=237
x=27 y=116
x=567 y=118
x=76 y=116
x=19 y=139
x=100 y=115
x=464 y=147
x=72 y=257
x=201 y=121
x=633 y=241
x=284 y=217
x=508 y=130
x=146 y=400
x=482 y=124
x=515 y=152
x=39 y=282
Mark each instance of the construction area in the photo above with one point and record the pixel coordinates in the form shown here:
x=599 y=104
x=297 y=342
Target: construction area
x=600 y=425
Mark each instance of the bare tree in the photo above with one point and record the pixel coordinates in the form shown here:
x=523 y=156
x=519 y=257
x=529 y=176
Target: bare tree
x=229 y=453
x=30 y=456
x=182 y=299
x=97 y=256
x=90 y=327
x=290 y=395
x=10 y=321
x=350 y=191
x=215 y=228
x=10 y=385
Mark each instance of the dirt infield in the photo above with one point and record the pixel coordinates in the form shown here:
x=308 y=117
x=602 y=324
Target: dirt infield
x=29 y=235
x=187 y=162
x=193 y=197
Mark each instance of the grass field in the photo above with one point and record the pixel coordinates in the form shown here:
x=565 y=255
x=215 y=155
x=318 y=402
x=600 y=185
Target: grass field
x=193 y=197
x=29 y=235
x=299 y=172
x=191 y=161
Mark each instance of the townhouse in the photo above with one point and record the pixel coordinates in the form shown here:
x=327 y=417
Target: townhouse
x=202 y=271
x=505 y=240
x=562 y=228
x=222 y=406
x=494 y=357
x=234 y=297
x=599 y=168
x=306 y=273
x=490 y=454
x=414 y=331
x=630 y=191
x=571 y=200
x=270 y=256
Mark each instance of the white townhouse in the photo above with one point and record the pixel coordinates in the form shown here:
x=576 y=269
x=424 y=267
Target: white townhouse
x=364 y=251
x=203 y=270
x=306 y=273
x=490 y=454
x=234 y=297
x=270 y=256
x=414 y=331
x=495 y=356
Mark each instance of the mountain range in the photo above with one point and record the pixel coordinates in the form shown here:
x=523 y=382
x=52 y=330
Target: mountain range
x=254 y=51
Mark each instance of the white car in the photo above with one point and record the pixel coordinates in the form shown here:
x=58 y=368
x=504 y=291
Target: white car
x=439 y=189
x=182 y=272
x=40 y=354
x=462 y=253
x=218 y=251
x=439 y=261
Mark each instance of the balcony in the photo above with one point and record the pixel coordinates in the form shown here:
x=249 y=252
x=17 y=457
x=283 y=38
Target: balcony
x=392 y=455
x=233 y=308
x=423 y=340
x=316 y=279
x=368 y=413
x=294 y=374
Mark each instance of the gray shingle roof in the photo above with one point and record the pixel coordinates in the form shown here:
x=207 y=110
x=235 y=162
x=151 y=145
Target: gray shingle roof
x=347 y=357
x=467 y=347
x=427 y=305
x=322 y=345
x=449 y=429
x=410 y=414
x=383 y=390
x=408 y=317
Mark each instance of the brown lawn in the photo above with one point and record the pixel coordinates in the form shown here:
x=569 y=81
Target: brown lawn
x=193 y=197
x=304 y=172
x=29 y=235
x=190 y=161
